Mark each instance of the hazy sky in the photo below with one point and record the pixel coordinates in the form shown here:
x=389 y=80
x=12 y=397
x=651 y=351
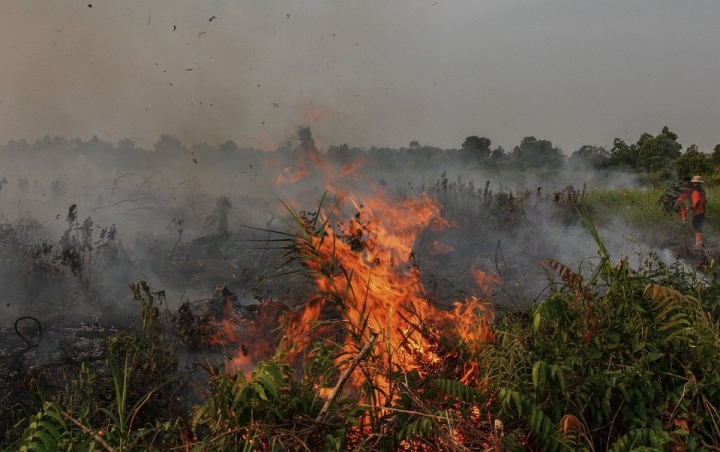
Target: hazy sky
x=363 y=72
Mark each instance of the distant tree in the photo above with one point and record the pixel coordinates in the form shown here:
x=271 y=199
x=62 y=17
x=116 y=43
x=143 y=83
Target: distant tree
x=302 y=146
x=168 y=145
x=476 y=149
x=126 y=143
x=228 y=148
x=694 y=162
x=667 y=133
x=475 y=143
x=60 y=143
x=17 y=146
x=534 y=153
x=384 y=157
x=42 y=144
x=421 y=155
x=498 y=158
x=716 y=155
x=498 y=153
x=307 y=142
x=344 y=154
x=590 y=157
x=623 y=155
x=658 y=152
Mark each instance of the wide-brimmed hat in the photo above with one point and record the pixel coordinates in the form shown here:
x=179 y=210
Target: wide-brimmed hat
x=697 y=180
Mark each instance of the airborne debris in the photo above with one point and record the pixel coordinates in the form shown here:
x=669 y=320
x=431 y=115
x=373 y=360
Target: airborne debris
x=211 y=19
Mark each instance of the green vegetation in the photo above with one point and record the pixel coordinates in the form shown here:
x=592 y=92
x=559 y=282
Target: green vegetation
x=617 y=357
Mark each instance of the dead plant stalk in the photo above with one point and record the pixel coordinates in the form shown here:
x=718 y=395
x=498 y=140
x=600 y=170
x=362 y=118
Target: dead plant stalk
x=344 y=377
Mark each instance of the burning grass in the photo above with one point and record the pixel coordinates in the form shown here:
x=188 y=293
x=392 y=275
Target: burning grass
x=616 y=356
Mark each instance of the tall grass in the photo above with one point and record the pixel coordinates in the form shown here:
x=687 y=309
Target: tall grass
x=640 y=209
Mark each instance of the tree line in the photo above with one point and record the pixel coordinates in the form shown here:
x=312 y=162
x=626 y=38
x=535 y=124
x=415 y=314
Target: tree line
x=660 y=153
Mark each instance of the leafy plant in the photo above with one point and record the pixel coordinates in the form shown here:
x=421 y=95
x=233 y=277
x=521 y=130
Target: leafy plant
x=79 y=251
x=119 y=406
x=630 y=353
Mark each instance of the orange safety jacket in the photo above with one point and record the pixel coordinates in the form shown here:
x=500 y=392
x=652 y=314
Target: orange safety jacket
x=698 y=201
x=683 y=203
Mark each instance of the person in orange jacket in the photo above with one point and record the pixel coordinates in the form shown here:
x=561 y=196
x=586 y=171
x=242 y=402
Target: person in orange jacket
x=683 y=200
x=698 y=201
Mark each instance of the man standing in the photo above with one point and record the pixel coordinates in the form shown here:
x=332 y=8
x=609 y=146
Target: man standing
x=683 y=200
x=698 y=201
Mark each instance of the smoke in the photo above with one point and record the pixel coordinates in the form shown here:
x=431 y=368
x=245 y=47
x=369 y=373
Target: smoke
x=173 y=144
x=165 y=202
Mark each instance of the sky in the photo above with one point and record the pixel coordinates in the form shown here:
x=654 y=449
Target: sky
x=362 y=72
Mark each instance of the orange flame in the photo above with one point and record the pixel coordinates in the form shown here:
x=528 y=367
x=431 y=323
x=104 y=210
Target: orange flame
x=351 y=167
x=251 y=340
x=486 y=281
x=288 y=176
x=367 y=285
x=365 y=268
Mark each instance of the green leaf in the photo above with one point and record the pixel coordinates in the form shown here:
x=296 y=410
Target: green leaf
x=537 y=318
x=46 y=439
x=40 y=448
x=538 y=374
x=52 y=430
x=260 y=391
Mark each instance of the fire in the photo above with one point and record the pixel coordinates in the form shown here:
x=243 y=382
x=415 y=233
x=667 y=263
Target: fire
x=231 y=332
x=368 y=289
x=251 y=338
x=366 y=280
x=351 y=167
x=289 y=176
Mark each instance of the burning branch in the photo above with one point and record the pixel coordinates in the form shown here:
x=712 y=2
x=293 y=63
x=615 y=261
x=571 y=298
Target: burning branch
x=344 y=377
